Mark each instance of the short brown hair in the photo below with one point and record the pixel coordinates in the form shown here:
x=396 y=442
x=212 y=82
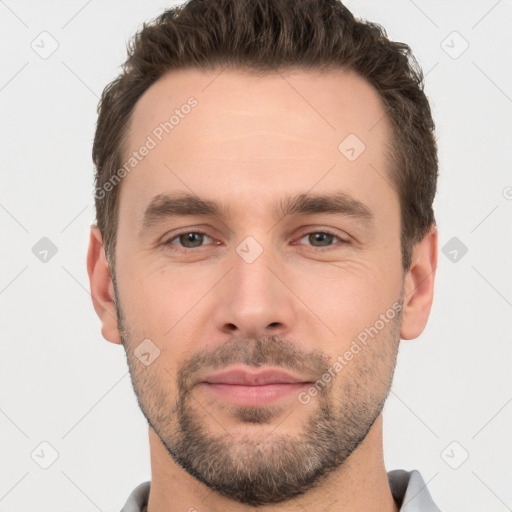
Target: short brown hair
x=272 y=35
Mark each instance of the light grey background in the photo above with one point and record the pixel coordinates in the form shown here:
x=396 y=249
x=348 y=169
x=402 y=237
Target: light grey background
x=62 y=384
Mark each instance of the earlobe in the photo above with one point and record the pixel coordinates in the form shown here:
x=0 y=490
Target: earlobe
x=102 y=288
x=419 y=286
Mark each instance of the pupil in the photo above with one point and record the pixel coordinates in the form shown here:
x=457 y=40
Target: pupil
x=321 y=237
x=193 y=238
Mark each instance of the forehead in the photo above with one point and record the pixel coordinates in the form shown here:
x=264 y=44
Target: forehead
x=318 y=106
x=246 y=136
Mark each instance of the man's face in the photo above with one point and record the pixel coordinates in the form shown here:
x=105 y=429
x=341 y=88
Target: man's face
x=249 y=288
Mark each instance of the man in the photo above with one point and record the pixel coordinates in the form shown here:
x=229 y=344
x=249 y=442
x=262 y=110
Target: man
x=265 y=237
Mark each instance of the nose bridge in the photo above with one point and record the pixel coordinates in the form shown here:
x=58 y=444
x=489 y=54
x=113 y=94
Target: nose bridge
x=254 y=283
x=251 y=269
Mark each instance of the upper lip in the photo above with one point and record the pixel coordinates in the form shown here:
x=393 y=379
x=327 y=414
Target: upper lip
x=252 y=378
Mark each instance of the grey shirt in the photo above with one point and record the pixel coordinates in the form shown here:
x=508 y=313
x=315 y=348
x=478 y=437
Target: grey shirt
x=407 y=487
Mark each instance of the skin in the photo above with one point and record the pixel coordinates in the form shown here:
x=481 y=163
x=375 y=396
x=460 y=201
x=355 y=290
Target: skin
x=249 y=143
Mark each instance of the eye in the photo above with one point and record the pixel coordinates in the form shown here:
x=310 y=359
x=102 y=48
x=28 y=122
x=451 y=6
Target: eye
x=188 y=239
x=194 y=239
x=322 y=238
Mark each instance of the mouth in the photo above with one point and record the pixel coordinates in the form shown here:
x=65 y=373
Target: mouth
x=248 y=388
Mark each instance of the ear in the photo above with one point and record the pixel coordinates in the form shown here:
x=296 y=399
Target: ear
x=102 y=288
x=419 y=286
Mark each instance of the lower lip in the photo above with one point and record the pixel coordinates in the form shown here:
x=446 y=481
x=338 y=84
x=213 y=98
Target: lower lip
x=255 y=395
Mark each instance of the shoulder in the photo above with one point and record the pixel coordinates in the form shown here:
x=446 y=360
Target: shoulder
x=138 y=498
x=410 y=491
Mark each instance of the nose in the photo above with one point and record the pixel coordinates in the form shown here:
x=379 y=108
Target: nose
x=255 y=299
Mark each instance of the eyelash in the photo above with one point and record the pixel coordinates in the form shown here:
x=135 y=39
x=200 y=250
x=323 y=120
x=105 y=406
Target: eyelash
x=200 y=232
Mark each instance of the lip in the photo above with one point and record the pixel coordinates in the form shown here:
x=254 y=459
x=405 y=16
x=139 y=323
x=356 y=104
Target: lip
x=243 y=377
x=253 y=388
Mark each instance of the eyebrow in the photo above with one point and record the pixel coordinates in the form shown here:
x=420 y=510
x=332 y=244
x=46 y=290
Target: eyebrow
x=165 y=206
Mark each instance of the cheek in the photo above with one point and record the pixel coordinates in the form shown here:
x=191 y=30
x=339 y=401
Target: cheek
x=151 y=296
x=165 y=303
x=347 y=296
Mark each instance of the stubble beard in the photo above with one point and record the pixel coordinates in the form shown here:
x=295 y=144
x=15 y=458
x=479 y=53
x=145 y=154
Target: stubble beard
x=275 y=467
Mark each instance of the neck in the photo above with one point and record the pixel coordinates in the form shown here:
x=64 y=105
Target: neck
x=360 y=484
